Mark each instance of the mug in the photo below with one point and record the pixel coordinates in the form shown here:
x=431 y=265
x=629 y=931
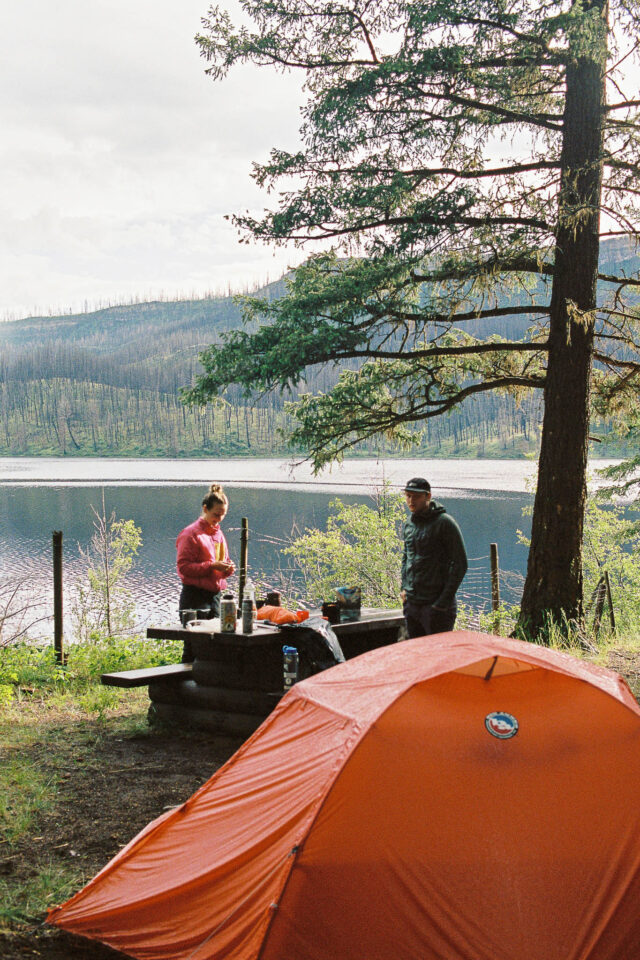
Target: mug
x=331 y=610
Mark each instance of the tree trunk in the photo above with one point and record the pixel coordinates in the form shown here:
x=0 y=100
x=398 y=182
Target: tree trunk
x=553 y=587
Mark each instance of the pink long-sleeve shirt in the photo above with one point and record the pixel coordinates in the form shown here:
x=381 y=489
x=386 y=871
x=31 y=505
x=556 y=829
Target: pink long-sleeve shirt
x=198 y=545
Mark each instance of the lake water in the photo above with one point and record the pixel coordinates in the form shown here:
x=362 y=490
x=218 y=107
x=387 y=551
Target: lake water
x=39 y=495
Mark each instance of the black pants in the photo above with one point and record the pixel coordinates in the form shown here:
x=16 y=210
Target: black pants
x=423 y=619
x=195 y=598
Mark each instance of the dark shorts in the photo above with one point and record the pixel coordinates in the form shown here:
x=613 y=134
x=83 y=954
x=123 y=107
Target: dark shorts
x=423 y=619
x=195 y=598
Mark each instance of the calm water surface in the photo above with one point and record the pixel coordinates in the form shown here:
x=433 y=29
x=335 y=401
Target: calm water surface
x=39 y=495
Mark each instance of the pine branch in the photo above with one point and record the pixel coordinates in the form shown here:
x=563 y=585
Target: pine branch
x=475 y=349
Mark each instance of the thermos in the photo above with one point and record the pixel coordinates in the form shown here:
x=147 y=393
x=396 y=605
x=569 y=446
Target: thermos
x=228 y=613
x=290 y=667
x=250 y=594
x=247 y=615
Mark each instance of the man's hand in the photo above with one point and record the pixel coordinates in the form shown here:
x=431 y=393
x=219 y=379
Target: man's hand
x=403 y=595
x=226 y=568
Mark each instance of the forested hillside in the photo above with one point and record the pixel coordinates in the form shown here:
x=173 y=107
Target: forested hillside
x=106 y=383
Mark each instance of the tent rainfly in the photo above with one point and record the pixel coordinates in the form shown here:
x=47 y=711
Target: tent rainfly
x=458 y=797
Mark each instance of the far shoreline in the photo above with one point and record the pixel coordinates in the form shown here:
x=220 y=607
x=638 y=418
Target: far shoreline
x=458 y=476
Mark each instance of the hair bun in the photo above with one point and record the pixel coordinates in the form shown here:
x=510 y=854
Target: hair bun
x=215 y=495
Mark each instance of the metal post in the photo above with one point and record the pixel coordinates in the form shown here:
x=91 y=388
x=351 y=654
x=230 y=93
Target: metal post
x=57 y=596
x=495 y=585
x=244 y=554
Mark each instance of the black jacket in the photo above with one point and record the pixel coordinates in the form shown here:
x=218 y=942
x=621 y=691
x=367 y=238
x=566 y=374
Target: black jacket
x=434 y=559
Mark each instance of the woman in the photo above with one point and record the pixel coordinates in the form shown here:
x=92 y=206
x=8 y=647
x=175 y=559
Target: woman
x=203 y=558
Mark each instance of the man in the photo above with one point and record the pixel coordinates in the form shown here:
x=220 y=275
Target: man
x=434 y=561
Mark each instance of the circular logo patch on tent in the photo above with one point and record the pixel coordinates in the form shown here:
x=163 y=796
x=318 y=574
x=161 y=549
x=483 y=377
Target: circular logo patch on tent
x=501 y=725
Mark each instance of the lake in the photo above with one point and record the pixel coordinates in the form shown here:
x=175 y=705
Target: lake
x=39 y=495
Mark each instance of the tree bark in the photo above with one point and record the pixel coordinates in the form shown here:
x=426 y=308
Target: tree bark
x=553 y=587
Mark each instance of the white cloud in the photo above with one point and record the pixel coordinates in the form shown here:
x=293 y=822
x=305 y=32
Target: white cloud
x=119 y=157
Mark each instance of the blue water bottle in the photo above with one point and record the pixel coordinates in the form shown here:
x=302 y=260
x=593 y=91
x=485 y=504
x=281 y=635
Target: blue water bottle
x=290 y=666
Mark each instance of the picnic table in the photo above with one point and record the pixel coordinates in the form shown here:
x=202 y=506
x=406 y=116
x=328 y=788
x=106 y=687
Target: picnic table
x=235 y=680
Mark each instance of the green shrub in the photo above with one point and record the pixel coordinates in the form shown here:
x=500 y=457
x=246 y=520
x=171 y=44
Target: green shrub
x=612 y=543
x=87 y=661
x=361 y=546
x=34 y=668
x=103 y=604
x=29 y=666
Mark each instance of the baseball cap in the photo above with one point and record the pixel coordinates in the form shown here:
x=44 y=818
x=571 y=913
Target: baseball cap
x=417 y=485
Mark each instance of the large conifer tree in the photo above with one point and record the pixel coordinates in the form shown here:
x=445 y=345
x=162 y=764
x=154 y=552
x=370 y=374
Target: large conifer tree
x=457 y=158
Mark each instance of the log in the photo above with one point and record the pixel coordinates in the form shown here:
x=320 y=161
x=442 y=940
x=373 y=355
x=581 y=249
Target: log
x=190 y=694
x=254 y=672
x=225 y=724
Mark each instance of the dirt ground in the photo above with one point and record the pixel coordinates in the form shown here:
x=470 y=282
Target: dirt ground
x=112 y=789
x=110 y=794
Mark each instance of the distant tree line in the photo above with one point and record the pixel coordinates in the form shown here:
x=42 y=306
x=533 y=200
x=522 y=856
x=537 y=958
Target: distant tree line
x=108 y=384
x=68 y=417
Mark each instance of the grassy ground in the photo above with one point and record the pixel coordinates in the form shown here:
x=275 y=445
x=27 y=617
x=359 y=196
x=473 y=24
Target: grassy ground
x=75 y=788
x=81 y=772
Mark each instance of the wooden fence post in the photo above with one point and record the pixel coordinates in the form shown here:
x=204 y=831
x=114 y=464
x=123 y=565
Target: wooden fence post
x=244 y=555
x=58 y=637
x=600 y=597
x=612 y=616
x=495 y=586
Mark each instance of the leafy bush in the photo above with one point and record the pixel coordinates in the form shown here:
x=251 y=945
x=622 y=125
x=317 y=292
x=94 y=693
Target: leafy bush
x=103 y=604
x=361 y=546
x=612 y=543
x=29 y=667
x=87 y=661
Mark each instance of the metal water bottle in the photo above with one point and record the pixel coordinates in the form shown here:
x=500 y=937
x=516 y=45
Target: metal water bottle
x=247 y=615
x=228 y=613
x=250 y=594
x=290 y=667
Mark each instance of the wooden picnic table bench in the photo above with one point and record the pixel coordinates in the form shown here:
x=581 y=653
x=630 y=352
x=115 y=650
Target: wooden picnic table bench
x=145 y=676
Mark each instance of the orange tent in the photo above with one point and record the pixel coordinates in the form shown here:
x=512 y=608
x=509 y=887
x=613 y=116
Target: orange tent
x=459 y=797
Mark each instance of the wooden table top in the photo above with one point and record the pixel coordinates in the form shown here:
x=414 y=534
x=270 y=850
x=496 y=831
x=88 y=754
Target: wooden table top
x=264 y=634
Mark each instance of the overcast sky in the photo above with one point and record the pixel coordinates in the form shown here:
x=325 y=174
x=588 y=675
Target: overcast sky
x=120 y=158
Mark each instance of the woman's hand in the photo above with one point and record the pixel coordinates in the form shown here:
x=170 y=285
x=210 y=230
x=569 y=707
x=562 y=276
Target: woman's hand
x=226 y=568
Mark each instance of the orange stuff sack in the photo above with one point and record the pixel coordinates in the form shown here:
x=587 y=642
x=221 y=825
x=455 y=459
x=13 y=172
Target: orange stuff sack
x=282 y=615
x=458 y=796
